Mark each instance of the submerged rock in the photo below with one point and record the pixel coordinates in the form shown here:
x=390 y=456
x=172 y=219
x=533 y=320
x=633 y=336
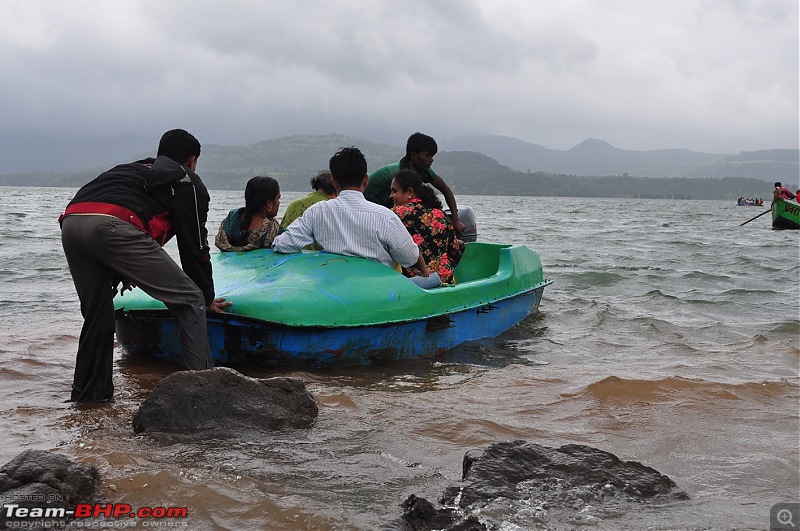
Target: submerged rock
x=526 y=483
x=420 y=514
x=42 y=487
x=220 y=399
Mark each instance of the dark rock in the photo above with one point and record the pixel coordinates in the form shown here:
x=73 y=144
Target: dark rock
x=497 y=470
x=420 y=514
x=535 y=484
x=220 y=399
x=42 y=481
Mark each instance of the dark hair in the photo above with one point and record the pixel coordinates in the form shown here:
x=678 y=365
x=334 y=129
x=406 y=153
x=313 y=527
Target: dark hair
x=322 y=181
x=778 y=185
x=418 y=143
x=179 y=145
x=259 y=191
x=408 y=179
x=348 y=166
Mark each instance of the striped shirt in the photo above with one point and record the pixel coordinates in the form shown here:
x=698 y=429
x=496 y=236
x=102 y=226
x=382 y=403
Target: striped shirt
x=352 y=226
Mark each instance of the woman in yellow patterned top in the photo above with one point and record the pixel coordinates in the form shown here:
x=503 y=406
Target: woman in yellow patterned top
x=254 y=226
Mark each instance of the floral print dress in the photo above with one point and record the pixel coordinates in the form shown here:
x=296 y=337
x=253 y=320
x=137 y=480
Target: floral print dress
x=432 y=231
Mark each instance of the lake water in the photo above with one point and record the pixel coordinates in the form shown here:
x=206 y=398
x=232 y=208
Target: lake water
x=670 y=336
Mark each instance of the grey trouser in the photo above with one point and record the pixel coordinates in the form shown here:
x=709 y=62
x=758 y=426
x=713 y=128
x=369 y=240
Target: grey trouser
x=432 y=281
x=96 y=246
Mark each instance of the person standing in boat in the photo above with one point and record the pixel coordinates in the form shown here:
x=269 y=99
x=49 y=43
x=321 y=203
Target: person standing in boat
x=349 y=224
x=420 y=150
x=113 y=230
x=323 y=188
x=421 y=212
x=253 y=226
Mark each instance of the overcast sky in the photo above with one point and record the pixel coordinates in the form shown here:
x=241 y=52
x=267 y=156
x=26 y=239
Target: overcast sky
x=708 y=75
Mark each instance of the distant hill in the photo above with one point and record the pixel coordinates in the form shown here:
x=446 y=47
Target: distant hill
x=291 y=160
x=474 y=173
x=28 y=152
x=294 y=160
x=597 y=157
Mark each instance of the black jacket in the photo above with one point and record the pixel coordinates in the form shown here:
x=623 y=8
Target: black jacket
x=162 y=198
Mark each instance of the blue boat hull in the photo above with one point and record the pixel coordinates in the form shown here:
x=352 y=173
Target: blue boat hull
x=239 y=340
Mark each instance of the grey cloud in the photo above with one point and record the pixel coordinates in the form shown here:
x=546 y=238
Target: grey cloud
x=702 y=74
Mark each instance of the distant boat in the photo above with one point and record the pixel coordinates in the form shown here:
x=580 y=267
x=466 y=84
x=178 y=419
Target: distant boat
x=785 y=215
x=750 y=202
x=320 y=309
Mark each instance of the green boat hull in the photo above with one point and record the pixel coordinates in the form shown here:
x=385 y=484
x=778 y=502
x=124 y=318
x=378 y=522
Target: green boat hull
x=321 y=309
x=785 y=215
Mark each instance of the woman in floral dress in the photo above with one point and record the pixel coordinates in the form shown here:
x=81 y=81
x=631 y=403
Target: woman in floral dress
x=432 y=230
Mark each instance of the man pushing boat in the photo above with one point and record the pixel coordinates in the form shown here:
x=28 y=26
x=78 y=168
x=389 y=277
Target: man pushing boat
x=113 y=230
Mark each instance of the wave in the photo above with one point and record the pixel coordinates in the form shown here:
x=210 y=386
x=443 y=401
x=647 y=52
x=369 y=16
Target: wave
x=614 y=389
x=704 y=276
x=787 y=327
x=595 y=279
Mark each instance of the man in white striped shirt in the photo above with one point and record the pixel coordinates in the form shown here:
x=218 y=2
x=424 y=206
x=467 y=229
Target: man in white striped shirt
x=351 y=225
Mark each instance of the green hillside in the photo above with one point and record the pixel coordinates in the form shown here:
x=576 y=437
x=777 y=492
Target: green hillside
x=294 y=160
x=597 y=157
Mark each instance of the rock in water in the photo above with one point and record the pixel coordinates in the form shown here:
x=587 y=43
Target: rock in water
x=542 y=486
x=220 y=399
x=498 y=470
x=43 y=486
x=420 y=514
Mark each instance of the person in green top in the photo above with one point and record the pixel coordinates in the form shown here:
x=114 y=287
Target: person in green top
x=420 y=150
x=323 y=190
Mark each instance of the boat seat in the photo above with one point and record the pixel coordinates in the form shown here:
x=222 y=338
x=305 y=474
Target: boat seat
x=480 y=260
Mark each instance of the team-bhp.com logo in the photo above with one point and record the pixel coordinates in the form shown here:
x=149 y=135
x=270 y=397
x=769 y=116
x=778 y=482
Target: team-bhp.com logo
x=26 y=517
